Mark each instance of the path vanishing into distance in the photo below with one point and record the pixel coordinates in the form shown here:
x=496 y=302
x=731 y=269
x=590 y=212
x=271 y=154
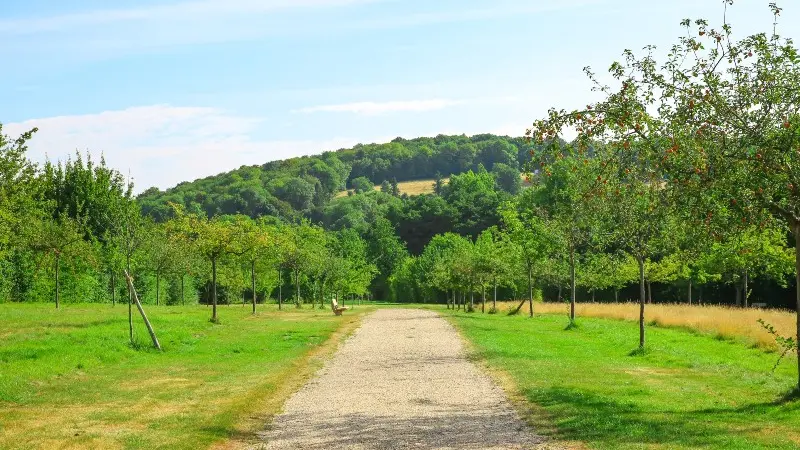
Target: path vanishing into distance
x=402 y=380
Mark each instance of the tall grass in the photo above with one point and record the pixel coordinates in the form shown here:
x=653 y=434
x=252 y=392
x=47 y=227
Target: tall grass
x=721 y=321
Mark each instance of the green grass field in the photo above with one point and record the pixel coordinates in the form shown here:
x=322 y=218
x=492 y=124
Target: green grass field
x=70 y=379
x=688 y=391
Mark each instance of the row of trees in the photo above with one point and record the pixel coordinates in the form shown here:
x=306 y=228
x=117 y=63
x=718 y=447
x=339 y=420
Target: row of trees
x=74 y=229
x=687 y=169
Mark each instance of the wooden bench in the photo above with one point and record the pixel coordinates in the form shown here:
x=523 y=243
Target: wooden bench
x=337 y=310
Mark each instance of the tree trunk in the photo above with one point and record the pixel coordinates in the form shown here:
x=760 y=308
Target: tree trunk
x=454 y=299
x=797 y=281
x=530 y=288
x=483 y=299
x=559 y=293
x=738 y=295
x=642 y=299
x=746 y=288
x=494 y=300
x=649 y=292
x=158 y=287
x=690 y=291
x=280 y=289
x=472 y=300
x=297 y=288
x=130 y=301
x=253 y=283
x=616 y=295
x=141 y=311
x=214 y=290
x=593 y=296
x=572 y=285
x=58 y=273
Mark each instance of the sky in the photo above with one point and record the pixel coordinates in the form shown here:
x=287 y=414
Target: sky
x=174 y=90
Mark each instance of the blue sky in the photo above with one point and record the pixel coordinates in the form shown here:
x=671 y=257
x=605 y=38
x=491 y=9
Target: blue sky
x=171 y=90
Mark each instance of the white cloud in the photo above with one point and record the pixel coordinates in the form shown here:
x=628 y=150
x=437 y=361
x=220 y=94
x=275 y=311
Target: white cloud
x=163 y=145
x=374 y=108
x=183 y=11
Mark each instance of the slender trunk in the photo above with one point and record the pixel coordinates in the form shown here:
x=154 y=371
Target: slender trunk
x=572 y=285
x=690 y=291
x=593 y=296
x=494 y=299
x=253 y=283
x=58 y=273
x=530 y=288
x=797 y=281
x=641 y=302
x=472 y=300
x=447 y=298
x=113 y=289
x=214 y=289
x=616 y=295
x=280 y=289
x=158 y=287
x=454 y=299
x=297 y=288
x=746 y=282
x=649 y=292
x=483 y=299
x=130 y=301
x=738 y=295
x=559 y=293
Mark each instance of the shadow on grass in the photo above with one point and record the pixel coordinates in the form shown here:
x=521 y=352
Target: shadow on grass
x=595 y=418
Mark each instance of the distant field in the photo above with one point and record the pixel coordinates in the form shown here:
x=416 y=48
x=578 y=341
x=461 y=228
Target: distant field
x=69 y=378
x=688 y=391
x=721 y=321
x=416 y=187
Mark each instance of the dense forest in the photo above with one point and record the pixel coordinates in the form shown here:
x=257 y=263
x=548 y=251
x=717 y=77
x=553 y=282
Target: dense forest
x=303 y=186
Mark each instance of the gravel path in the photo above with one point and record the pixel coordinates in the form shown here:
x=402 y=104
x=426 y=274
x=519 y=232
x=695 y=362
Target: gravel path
x=401 y=381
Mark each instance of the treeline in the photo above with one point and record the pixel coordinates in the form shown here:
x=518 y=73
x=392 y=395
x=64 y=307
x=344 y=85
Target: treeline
x=70 y=232
x=297 y=187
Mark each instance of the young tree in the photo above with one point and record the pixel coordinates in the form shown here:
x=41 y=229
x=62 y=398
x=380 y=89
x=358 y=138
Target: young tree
x=528 y=233
x=213 y=239
x=59 y=239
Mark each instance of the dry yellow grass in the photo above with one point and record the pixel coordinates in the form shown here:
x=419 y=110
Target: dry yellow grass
x=720 y=321
x=419 y=187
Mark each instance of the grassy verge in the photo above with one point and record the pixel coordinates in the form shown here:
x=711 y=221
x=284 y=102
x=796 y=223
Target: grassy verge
x=720 y=321
x=70 y=379
x=686 y=391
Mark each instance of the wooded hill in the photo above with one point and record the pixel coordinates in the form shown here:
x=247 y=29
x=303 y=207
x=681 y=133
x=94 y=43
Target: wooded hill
x=298 y=187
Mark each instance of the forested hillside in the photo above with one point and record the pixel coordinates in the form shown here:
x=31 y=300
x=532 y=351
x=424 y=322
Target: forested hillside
x=300 y=186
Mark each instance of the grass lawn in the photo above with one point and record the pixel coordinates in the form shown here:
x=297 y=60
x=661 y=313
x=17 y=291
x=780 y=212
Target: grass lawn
x=70 y=379
x=689 y=390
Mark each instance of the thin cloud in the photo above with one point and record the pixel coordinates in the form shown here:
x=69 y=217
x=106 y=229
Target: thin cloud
x=163 y=145
x=190 y=10
x=375 y=108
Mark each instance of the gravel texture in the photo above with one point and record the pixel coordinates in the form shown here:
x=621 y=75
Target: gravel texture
x=401 y=381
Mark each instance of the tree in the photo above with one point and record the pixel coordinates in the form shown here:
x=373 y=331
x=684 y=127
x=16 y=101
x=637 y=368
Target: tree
x=361 y=185
x=213 y=239
x=304 y=245
x=507 y=178
x=59 y=239
x=529 y=234
x=568 y=197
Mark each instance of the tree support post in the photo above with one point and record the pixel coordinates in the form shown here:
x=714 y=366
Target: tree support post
x=141 y=311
